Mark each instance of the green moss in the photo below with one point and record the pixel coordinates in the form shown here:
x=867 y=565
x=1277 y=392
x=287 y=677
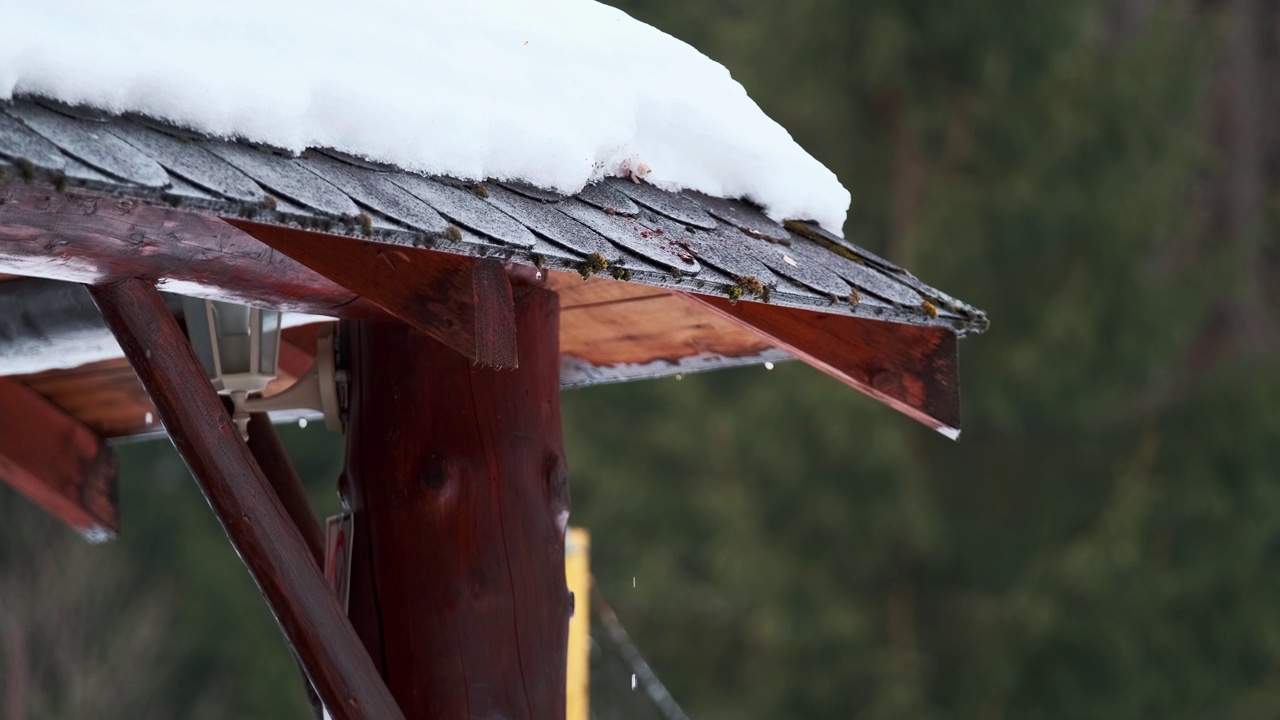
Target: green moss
x=453 y=233
x=929 y=309
x=621 y=273
x=269 y=201
x=481 y=190
x=800 y=228
x=855 y=297
x=366 y=223
x=734 y=292
x=594 y=263
x=806 y=230
x=750 y=284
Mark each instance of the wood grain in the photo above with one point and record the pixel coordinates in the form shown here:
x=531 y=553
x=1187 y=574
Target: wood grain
x=457 y=477
x=86 y=238
x=463 y=302
x=269 y=451
x=263 y=534
x=608 y=323
x=57 y=463
x=105 y=396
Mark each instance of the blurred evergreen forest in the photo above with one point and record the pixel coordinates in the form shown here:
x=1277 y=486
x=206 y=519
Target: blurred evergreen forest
x=1101 y=176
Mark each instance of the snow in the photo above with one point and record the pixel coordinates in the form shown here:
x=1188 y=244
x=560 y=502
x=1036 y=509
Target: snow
x=554 y=92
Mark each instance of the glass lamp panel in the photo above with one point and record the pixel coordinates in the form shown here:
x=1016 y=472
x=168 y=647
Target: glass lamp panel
x=270 y=342
x=231 y=323
x=193 y=309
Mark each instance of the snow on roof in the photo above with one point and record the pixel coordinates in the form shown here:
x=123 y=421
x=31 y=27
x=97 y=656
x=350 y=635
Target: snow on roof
x=553 y=92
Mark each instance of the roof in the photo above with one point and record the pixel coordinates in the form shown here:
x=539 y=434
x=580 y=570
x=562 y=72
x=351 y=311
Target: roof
x=622 y=229
x=556 y=93
x=686 y=241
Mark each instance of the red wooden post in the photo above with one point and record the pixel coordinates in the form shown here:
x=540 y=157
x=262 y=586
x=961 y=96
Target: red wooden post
x=457 y=477
x=263 y=533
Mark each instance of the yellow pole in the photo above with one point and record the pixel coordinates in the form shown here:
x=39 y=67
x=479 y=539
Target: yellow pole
x=577 y=572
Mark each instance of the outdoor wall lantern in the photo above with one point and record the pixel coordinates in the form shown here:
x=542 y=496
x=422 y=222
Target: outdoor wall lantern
x=239 y=347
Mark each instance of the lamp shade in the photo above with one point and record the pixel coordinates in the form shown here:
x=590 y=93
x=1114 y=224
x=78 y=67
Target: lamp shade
x=238 y=345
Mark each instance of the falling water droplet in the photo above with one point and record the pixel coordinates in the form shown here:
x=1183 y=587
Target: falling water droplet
x=633 y=681
x=150 y=418
x=302 y=422
x=768 y=366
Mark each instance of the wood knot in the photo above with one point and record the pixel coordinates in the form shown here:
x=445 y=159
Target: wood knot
x=435 y=477
x=887 y=382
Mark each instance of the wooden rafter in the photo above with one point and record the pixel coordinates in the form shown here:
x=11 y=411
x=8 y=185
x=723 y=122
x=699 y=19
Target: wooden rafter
x=463 y=302
x=631 y=330
x=57 y=462
x=98 y=240
x=910 y=368
x=107 y=398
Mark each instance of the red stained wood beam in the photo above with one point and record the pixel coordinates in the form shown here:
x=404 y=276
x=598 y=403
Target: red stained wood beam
x=463 y=302
x=910 y=368
x=86 y=238
x=456 y=474
x=269 y=451
x=58 y=463
x=263 y=533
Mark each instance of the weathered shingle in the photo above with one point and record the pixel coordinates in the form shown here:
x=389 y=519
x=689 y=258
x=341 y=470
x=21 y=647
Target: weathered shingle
x=685 y=241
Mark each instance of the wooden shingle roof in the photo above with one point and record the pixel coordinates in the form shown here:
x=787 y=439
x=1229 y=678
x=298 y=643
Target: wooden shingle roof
x=59 y=163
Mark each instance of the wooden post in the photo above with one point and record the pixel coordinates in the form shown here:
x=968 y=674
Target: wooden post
x=263 y=533
x=457 y=477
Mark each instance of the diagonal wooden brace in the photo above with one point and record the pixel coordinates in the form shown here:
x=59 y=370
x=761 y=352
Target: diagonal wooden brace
x=910 y=368
x=251 y=514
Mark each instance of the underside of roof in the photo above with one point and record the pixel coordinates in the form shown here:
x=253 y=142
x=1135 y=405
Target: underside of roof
x=657 y=244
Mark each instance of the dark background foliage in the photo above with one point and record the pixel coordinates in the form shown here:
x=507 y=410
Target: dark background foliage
x=1101 y=177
